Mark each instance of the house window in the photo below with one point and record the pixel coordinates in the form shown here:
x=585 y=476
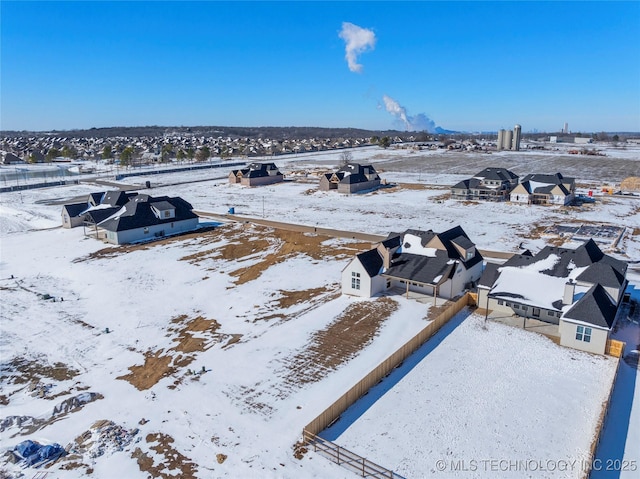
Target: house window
x=167 y=214
x=524 y=308
x=515 y=306
x=146 y=230
x=583 y=334
x=355 y=280
x=500 y=302
x=551 y=313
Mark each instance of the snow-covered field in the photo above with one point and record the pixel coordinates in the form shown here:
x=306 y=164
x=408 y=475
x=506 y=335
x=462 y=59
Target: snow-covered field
x=235 y=302
x=482 y=397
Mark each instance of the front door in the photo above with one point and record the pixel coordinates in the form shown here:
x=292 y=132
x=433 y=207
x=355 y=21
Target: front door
x=536 y=312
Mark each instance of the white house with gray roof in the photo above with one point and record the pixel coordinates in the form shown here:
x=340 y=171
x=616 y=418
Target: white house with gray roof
x=145 y=218
x=436 y=264
x=538 y=189
x=580 y=290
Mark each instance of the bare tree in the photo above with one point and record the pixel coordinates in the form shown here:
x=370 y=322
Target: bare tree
x=345 y=158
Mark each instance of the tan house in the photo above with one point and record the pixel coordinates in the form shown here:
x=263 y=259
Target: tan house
x=256 y=174
x=351 y=178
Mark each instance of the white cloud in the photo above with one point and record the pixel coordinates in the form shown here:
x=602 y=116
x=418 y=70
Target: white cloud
x=357 y=40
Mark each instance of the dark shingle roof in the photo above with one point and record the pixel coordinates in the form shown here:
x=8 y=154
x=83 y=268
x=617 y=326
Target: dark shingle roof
x=137 y=213
x=74 y=209
x=595 y=307
x=602 y=273
x=422 y=269
x=489 y=275
x=372 y=261
x=497 y=174
x=116 y=198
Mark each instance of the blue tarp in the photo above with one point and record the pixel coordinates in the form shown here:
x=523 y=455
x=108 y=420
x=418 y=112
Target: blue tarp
x=34 y=453
x=27 y=448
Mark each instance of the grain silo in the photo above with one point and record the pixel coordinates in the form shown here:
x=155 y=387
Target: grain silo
x=517 y=133
x=508 y=139
x=500 y=139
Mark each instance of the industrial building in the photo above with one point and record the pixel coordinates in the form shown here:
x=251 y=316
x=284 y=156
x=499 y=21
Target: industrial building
x=510 y=139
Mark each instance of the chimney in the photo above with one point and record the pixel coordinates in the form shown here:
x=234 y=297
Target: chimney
x=569 y=291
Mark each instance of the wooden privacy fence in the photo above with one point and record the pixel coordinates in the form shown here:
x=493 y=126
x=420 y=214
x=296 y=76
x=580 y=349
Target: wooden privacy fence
x=334 y=411
x=347 y=459
x=614 y=348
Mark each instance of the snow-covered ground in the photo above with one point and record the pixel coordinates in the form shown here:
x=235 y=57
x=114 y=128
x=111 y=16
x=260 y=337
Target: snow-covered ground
x=247 y=405
x=479 y=399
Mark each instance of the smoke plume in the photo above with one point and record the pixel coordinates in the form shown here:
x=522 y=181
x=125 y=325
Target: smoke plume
x=357 y=40
x=419 y=122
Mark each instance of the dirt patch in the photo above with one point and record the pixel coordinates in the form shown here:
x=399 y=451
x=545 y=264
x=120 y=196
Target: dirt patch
x=191 y=336
x=291 y=298
x=22 y=370
x=114 y=251
x=343 y=339
x=156 y=366
x=171 y=464
x=269 y=246
x=313 y=297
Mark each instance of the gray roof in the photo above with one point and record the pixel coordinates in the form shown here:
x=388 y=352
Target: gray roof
x=74 y=209
x=352 y=173
x=595 y=307
x=489 y=275
x=497 y=174
x=602 y=273
x=425 y=269
x=422 y=269
x=586 y=254
x=555 y=179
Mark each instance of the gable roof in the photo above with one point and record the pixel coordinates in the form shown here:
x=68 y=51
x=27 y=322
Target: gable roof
x=429 y=265
x=74 y=209
x=355 y=173
x=596 y=307
x=602 y=273
x=423 y=269
x=492 y=173
x=116 y=198
x=371 y=261
x=137 y=213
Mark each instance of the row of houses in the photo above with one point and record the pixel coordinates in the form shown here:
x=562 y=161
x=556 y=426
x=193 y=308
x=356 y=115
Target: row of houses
x=348 y=179
x=501 y=184
x=579 y=290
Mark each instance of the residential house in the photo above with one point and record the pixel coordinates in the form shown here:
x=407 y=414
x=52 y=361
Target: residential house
x=545 y=189
x=351 y=178
x=491 y=184
x=580 y=290
x=97 y=207
x=256 y=174
x=144 y=217
x=437 y=264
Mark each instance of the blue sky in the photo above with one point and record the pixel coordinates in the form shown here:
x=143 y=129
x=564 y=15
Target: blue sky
x=468 y=66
